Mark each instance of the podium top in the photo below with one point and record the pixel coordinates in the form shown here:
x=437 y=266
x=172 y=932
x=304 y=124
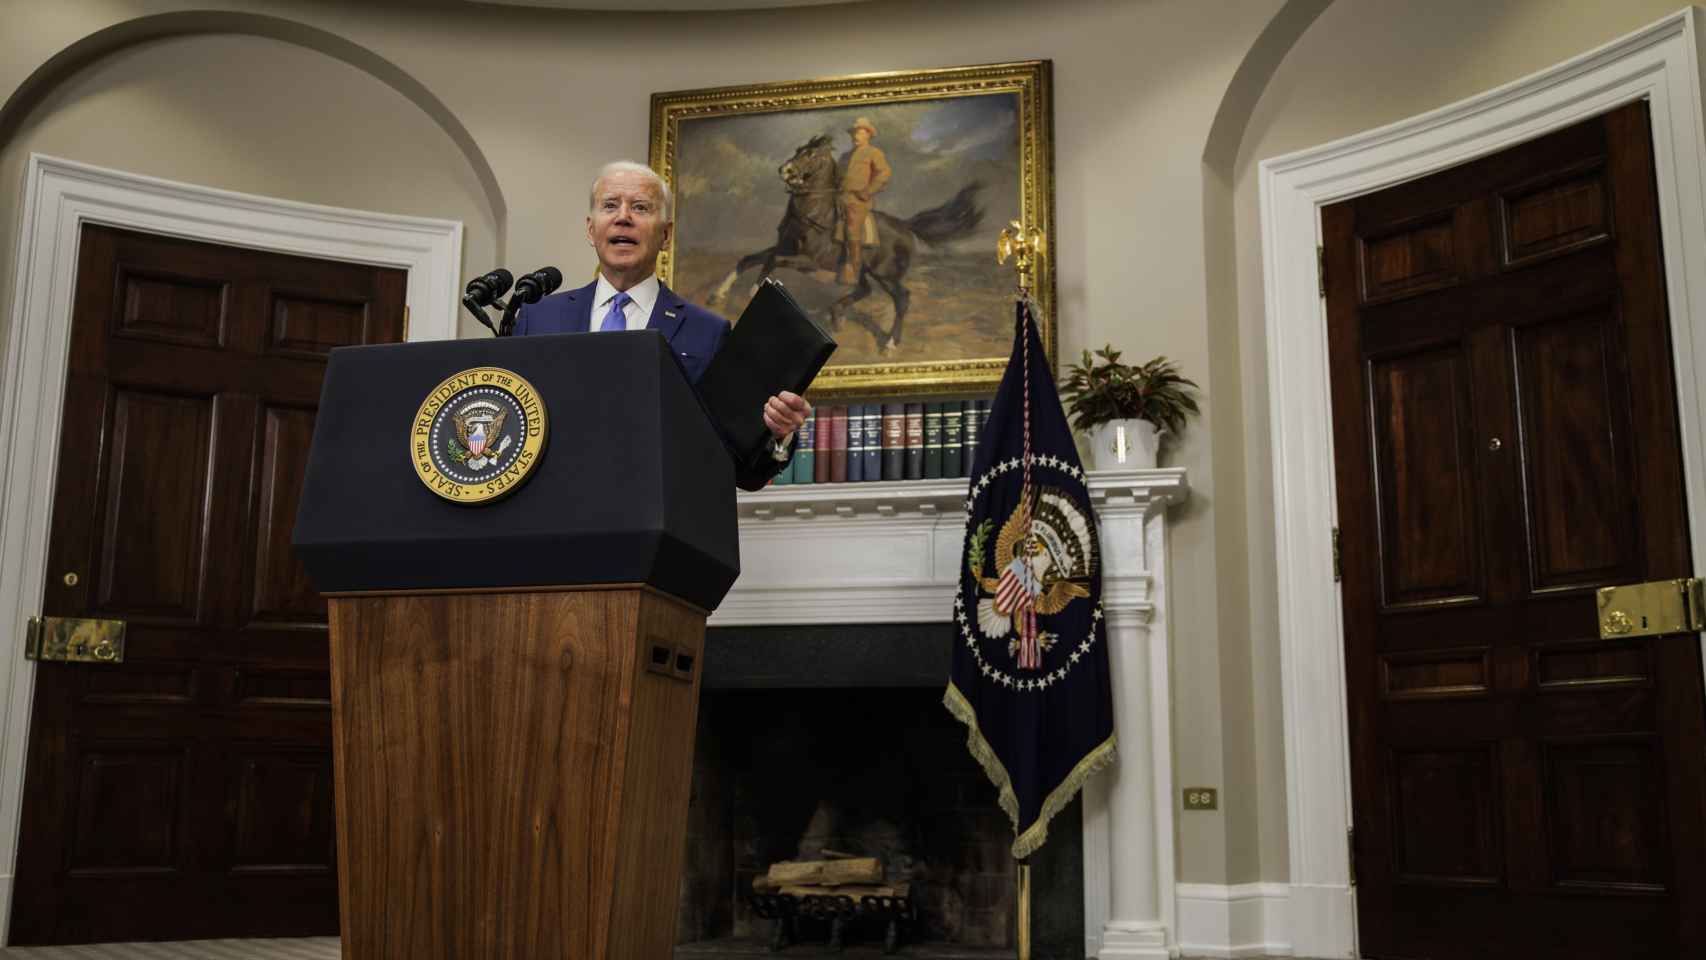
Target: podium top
x=632 y=484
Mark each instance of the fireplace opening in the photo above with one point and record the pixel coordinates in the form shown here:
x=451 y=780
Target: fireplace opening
x=793 y=765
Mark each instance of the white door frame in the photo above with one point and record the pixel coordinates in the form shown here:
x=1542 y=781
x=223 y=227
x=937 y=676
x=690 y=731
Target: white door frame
x=1660 y=64
x=59 y=197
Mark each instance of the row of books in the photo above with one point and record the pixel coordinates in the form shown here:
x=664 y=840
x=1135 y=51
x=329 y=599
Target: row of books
x=887 y=441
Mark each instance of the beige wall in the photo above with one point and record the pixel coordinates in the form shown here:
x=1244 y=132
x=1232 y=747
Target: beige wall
x=1158 y=250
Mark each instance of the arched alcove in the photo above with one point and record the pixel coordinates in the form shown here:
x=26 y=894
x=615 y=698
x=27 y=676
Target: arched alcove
x=105 y=42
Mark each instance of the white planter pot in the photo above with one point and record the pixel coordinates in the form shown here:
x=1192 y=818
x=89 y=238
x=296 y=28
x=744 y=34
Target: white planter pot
x=1124 y=445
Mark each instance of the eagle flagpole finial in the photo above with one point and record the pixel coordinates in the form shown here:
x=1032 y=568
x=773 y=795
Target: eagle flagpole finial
x=1024 y=245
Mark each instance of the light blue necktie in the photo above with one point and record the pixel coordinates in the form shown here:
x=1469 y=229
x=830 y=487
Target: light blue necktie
x=616 y=319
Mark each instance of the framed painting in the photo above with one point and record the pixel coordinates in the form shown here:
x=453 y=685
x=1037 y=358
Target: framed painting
x=877 y=201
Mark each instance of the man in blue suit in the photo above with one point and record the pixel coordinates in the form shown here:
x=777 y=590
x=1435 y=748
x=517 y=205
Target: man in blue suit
x=628 y=223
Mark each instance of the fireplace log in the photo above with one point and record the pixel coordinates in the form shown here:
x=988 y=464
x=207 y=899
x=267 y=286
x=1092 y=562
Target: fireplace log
x=828 y=873
x=854 y=890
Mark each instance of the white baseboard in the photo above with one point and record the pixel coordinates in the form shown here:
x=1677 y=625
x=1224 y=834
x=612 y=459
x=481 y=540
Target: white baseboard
x=6 y=913
x=1229 y=922
x=1322 y=920
x=1134 y=940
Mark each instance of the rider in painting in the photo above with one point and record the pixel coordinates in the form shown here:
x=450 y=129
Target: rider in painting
x=865 y=172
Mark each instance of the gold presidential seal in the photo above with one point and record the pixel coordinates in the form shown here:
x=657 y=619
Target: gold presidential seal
x=478 y=435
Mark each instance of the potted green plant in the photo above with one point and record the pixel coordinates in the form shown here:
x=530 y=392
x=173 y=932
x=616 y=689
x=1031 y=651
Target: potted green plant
x=1125 y=409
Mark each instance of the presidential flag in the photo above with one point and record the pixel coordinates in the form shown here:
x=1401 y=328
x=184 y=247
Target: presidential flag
x=1030 y=674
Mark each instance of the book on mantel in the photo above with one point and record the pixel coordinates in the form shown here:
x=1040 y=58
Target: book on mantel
x=873 y=441
x=894 y=441
x=953 y=440
x=855 y=443
x=914 y=440
x=804 y=466
x=837 y=444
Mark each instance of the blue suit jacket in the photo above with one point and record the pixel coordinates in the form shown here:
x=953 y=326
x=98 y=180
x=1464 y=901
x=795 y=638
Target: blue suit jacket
x=694 y=333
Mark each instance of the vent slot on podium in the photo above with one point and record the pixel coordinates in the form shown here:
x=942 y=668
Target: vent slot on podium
x=670 y=660
x=661 y=655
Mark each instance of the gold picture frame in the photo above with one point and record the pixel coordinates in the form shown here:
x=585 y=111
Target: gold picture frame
x=970 y=149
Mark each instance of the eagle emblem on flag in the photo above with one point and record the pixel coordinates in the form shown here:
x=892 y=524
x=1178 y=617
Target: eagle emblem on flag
x=1043 y=566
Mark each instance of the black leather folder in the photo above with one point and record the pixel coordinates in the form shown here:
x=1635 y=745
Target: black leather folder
x=774 y=347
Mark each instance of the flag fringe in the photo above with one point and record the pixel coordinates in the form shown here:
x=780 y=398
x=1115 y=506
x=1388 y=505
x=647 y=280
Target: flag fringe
x=1031 y=840
x=982 y=751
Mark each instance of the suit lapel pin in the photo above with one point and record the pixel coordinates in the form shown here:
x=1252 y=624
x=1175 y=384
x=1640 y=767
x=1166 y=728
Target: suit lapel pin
x=670 y=314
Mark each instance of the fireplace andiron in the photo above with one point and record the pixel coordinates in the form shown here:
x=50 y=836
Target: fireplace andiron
x=784 y=911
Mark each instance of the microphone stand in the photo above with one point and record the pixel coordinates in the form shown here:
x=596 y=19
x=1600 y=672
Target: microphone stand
x=480 y=314
x=507 y=326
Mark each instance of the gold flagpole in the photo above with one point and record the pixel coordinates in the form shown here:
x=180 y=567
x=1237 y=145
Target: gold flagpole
x=1024 y=910
x=1023 y=244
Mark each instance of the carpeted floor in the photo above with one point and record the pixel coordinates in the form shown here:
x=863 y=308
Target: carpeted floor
x=316 y=948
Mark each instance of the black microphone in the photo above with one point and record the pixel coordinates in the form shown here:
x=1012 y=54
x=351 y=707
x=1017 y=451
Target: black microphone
x=537 y=284
x=483 y=291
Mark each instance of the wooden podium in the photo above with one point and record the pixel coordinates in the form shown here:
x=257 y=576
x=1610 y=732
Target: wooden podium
x=515 y=684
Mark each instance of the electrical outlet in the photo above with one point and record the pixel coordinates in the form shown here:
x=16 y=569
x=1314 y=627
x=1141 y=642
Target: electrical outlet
x=1202 y=798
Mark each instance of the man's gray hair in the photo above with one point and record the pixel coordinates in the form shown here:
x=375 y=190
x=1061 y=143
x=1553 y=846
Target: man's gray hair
x=629 y=166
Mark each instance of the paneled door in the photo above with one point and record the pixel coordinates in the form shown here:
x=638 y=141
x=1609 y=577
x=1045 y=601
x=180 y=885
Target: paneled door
x=1506 y=438
x=187 y=792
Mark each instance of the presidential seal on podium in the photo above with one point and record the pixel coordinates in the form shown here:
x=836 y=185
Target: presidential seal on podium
x=478 y=435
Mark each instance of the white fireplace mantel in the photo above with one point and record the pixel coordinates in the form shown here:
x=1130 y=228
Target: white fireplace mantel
x=889 y=552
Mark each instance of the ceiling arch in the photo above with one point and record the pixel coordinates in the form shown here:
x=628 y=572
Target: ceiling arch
x=62 y=65
x=1238 y=104
x=672 y=6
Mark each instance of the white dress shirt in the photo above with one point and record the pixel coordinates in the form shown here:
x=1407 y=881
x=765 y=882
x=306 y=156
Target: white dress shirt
x=643 y=296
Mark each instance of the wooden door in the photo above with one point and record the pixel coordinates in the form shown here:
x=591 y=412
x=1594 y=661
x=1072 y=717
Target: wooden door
x=1506 y=438
x=187 y=792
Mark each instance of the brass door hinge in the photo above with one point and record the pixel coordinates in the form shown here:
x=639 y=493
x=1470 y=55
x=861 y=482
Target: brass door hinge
x=1338 y=561
x=1652 y=609
x=1321 y=270
x=1351 y=850
x=74 y=640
